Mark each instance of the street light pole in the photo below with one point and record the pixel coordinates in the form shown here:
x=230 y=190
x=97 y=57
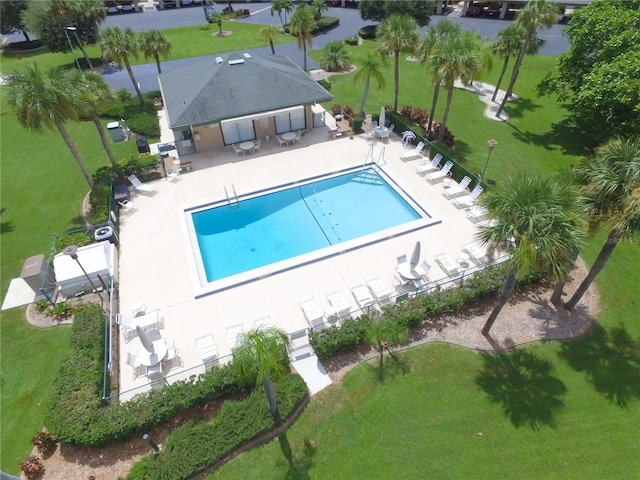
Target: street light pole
x=491 y=143
x=71 y=47
x=84 y=52
x=72 y=251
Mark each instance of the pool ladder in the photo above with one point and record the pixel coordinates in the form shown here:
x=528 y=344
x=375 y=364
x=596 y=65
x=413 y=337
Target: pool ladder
x=369 y=158
x=232 y=200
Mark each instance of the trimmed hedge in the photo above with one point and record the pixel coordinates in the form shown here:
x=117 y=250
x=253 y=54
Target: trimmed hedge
x=416 y=310
x=197 y=445
x=76 y=414
x=367 y=32
x=322 y=25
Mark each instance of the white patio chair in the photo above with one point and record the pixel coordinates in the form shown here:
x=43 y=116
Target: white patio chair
x=429 y=166
x=440 y=175
x=298 y=137
x=455 y=190
x=281 y=141
x=423 y=270
x=468 y=200
x=141 y=187
x=256 y=145
x=237 y=149
x=132 y=361
x=173 y=358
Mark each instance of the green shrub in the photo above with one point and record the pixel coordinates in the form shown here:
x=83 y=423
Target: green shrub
x=326 y=84
x=144 y=124
x=79 y=239
x=368 y=32
x=197 y=445
x=356 y=124
x=334 y=340
x=352 y=41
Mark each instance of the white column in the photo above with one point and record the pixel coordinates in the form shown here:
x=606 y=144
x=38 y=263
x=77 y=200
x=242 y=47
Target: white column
x=503 y=10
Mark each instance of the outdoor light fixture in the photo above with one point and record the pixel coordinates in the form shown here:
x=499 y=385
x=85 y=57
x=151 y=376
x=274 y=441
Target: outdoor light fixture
x=491 y=143
x=84 y=52
x=72 y=251
x=71 y=47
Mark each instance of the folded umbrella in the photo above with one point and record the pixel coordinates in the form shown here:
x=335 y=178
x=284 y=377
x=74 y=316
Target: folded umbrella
x=145 y=339
x=415 y=256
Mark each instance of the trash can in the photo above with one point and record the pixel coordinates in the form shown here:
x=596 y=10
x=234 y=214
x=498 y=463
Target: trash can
x=142 y=144
x=120 y=192
x=107 y=233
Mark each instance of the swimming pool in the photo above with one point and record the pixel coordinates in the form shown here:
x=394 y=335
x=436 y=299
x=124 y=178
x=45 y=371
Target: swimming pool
x=269 y=231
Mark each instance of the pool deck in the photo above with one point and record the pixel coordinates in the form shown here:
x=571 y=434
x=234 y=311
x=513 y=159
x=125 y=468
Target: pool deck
x=155 y=269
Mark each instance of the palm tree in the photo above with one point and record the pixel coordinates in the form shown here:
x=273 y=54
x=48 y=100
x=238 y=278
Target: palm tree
x=433 y=38
x=535 y=221
x=397 y=34
x=508 y=45
x=92 y=93
x=260 y=353
x=610 y=183
x=532 y=17
x=459 y=57
x=118 y=45
x=270 y=33
x=382 y=334
x=41 y=99
x=154 y=44
x=336 y=57
x=370 y=67
x=217 y=18
x=301 y=25
x=279 y=6
x=318 y=7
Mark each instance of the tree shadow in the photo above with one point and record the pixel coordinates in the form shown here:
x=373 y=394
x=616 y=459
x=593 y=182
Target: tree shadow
x=299 y=468
x=391 y=367
x=611 y=360
x=564 y=136
x=525 y=387
x=78 y=221
x=6 y=227
x=518 y=108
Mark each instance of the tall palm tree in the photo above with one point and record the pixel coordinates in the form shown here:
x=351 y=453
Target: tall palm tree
x=532 y=17
x=269 y=34
x=369 y=68
x=154 y=44
x=509 y=44
x=92 y=93
x=336 y=56
x=385 y=333
x=535 y=221
x=433 y=38
x=397 y=34
x=279 y=6
x=119 y=45
x=610 y=183
x=457 y=58
x=301 y=25
x=260 y=353
x=42 y=100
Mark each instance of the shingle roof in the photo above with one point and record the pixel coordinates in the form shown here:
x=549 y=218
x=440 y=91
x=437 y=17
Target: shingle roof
x=208 y=92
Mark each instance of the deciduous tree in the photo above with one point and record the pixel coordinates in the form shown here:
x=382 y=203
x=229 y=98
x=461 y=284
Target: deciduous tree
x=380 y=10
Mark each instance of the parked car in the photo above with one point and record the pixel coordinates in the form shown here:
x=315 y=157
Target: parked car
x=112 y=8
x=128 y=8
x=474 y=10
x=185 y=3
x=169 y=4
x=493 y=10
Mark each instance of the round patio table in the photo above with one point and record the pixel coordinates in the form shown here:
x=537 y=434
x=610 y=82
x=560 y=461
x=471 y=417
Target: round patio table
x=288 y=136
x=149 y=359
x=407 y=272
x=246 y=146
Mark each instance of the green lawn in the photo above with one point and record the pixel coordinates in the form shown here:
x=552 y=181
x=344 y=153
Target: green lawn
x=186 y=42
x=424 y=422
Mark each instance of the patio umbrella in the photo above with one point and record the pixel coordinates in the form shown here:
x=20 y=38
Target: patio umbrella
x=382 y=118
x=146 y=341
x=415 y=256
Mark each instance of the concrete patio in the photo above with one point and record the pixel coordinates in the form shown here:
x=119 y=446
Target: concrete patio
x=155 y=267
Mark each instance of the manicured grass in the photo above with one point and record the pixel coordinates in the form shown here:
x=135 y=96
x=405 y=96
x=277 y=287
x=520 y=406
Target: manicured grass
x=186 y=42
x=42 y=192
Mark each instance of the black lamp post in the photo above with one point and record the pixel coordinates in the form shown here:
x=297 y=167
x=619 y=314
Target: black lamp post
x=72 y=251
x=84 y=52
x=491 y=143
x=71 y=47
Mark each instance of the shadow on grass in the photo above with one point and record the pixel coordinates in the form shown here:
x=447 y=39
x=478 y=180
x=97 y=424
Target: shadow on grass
x=5 y=227
x=611 y=360
x=518 y=108
x=564 y=136
x=298 y=468
x=390 y=367
x=525 y=387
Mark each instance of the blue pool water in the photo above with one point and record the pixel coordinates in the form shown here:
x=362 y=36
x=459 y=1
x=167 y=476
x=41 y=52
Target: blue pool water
x=273 y=227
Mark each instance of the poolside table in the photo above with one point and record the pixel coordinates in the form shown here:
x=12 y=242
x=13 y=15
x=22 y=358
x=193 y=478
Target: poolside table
x=288 y=137
x=159 y=352
x=246 y=146
x=406 y=271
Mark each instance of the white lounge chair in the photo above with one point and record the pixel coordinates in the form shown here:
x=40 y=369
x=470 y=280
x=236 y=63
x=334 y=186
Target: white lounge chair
x=362 y=296
x=207 y=348
x=476 y=213
x=234 y=335
x=141 y=187
x=438 y=176
x=468 y=200
x=413 y=154
x=337 y=301
x=447 y=265
x=379 y=290
x=313 y=314
x=476 y=252
x=458 y=189
x=430 y=166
